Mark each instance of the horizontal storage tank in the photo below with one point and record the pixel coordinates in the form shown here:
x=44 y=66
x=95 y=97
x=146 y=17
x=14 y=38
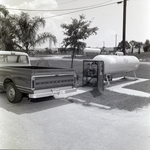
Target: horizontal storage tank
x=92 y=51
x=117 y=64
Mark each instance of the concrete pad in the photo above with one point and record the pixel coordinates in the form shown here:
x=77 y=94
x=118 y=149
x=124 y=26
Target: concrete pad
x=120 y=88
x=145 y=63
x=78 y=91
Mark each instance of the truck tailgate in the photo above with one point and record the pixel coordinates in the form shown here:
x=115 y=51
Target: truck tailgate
x=45 y=78
x=53 y=81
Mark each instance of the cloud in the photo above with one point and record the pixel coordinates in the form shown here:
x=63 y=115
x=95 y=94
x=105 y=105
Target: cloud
x=32 y=5
x=39 y=4
x=54 y=29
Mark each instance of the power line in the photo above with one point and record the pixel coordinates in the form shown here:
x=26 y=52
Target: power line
x=59 y=9
x=60 y=3
x=76 y=9
x=89 y=8
x=74 y=1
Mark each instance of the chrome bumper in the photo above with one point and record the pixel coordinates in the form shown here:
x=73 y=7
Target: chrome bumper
x=51 y=92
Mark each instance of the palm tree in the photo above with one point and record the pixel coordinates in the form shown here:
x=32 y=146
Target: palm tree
x=27 y=31
x=7 y=30
x=136 y=44
x=132 y=43
x=146 y=46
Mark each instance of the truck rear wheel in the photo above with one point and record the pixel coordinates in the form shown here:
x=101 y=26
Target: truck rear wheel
x=13 y=94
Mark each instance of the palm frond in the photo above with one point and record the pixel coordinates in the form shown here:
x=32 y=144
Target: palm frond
x=43 y=37
x=4 y=10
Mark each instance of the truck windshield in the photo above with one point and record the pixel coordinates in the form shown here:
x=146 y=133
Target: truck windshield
x=14 y=59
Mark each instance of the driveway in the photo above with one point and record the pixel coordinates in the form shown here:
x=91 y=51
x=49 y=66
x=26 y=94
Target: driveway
x=60 y=125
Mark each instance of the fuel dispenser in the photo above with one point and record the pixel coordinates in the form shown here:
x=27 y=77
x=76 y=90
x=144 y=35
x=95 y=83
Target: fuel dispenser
x=93 y=74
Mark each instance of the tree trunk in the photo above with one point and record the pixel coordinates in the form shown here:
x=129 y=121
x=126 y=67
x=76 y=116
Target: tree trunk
x=132 y=50
x=27 y=50
x=72 y=57
x=139 y=50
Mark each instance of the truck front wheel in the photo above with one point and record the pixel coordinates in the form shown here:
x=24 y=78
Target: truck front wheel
x=13 y=94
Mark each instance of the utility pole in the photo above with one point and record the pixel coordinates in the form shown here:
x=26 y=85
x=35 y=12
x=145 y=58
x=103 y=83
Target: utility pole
x=124 y=27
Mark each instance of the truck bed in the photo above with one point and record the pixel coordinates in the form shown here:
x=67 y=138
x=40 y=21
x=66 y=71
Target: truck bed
x=34 y=78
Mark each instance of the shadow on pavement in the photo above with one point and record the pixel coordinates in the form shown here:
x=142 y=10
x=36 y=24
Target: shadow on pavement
x=33 y=106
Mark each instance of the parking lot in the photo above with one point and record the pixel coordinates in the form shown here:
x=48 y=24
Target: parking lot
x=56 y=123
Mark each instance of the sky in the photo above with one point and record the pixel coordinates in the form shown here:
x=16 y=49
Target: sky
x=107 y=16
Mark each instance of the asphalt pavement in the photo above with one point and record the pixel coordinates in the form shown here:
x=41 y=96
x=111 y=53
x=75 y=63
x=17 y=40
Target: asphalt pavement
x=58 y=124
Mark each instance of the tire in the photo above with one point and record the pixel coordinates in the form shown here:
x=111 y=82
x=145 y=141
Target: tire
x=13 y=94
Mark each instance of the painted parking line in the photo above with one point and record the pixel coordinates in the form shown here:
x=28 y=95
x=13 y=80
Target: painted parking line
x=120 y=88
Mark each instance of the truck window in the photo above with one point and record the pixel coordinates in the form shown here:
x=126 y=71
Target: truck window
x=1 y=59
x=23 y=59
x=14 y=59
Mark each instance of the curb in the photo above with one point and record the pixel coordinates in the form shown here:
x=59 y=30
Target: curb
x=72 y=99
x=99 y=106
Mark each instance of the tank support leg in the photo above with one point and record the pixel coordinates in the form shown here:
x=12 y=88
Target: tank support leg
x=125 y=75
x=135 y=75
x=107 y=79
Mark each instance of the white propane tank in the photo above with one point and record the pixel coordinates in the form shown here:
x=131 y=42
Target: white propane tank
x=89 y=51
x=117 y=64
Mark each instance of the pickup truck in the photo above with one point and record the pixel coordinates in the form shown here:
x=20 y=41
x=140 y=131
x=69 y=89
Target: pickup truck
x=19 y=79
